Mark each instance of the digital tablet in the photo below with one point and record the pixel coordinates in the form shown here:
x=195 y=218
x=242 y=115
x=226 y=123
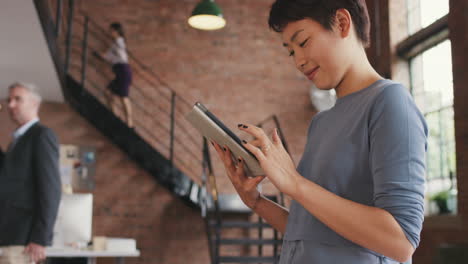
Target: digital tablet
x=213 y=129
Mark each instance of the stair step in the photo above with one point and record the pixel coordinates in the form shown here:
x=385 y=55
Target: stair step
x=249 y=241
x=229 y=259
x=240 y=224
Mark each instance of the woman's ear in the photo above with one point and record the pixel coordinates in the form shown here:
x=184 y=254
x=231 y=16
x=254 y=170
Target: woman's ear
x=343 y=22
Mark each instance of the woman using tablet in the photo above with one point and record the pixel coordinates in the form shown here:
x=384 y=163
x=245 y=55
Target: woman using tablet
x=358 y=191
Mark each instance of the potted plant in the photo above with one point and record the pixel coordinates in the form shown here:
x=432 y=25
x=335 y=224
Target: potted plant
x=441 y=199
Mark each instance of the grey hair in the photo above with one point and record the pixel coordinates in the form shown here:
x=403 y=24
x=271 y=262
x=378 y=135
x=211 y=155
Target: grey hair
x=30 y=87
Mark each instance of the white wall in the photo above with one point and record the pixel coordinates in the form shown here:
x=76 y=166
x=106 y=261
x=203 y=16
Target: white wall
x=24 y=54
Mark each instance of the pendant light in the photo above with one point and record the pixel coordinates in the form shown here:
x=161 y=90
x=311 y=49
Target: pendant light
x=207 y=15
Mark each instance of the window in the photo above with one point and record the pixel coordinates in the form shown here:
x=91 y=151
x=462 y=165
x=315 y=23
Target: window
x=428 y=52
x=422 y=13
x=432 y=89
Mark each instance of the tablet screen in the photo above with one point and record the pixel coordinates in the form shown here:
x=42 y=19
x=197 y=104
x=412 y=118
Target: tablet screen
x=222 y=126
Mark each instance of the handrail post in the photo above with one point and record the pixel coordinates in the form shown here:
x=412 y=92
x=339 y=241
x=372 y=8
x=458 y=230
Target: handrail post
x=173 y=102
x=58 y=18
x=84 y=55
x=204 y=200
x=69 y=35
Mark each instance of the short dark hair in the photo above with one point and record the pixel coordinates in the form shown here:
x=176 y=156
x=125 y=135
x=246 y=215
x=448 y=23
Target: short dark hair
x=118 y=28
x=323 y=11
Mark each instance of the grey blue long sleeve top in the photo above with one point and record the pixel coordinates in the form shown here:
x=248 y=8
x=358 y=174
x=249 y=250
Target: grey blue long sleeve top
x=369 y=148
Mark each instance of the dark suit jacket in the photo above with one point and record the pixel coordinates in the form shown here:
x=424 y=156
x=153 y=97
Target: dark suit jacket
x=30 y=189
x=1 y=158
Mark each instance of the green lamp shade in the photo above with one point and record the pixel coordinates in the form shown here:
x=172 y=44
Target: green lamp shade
x=207 y=16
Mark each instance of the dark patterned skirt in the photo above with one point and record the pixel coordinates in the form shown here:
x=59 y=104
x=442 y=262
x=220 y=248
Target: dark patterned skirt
x=123 y=79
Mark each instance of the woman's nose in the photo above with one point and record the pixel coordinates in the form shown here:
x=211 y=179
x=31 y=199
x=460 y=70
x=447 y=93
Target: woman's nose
x=301 y=64
x=301 y=61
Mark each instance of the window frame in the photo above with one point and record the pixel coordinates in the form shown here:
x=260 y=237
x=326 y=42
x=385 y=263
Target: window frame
x=416 y=44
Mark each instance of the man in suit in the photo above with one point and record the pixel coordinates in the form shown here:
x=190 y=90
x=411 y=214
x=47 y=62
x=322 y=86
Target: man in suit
x=30 y=187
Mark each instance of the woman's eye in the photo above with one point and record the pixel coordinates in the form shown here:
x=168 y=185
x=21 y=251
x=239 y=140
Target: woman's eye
x=291 y=53
x=303 y=43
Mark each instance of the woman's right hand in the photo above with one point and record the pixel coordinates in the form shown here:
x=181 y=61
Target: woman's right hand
x=245 y=186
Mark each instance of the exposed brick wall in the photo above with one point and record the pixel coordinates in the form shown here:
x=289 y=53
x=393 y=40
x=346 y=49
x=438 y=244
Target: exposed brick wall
x=242 y=72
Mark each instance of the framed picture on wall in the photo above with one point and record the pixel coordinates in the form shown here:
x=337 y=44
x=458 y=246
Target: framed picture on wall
x=77 y=167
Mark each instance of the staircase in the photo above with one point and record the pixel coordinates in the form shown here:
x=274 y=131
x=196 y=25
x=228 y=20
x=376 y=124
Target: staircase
x=260 y=244
x=223 y=213
x=163 y=142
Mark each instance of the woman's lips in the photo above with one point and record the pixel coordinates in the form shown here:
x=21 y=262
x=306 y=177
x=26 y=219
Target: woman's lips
x=311 y=74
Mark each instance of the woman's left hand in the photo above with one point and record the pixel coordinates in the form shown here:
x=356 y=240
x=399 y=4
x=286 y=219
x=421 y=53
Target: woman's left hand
x=273 y=158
